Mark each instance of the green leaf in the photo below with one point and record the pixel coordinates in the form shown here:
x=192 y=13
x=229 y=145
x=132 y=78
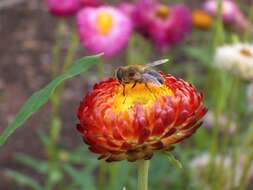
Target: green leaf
x=201 y=54
x=174 y=161
x=38 y=165
x=44 y=138
x=82 y=154
x=23 y=179
x=40 y=97
x=81 y=177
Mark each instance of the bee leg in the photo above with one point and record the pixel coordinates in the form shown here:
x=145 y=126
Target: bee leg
x=124 y=93
x=134 y=84
x=146 y=84
x=124 y=99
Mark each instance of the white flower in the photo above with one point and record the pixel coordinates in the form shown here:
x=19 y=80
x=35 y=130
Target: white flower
x=199 y=166
x=237 y=58
x=225 y=124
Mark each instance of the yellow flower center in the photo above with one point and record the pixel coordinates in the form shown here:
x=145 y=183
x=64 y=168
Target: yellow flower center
x=246 y=52
x=162 y=11
x=140 y=94
x=104 y=22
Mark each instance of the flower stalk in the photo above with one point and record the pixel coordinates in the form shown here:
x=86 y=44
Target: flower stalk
x=55 y=125
x=143 y=167
x=101 y=175
x=245 y=171
x=218 y=29
x=113 y=174
x=59 y=35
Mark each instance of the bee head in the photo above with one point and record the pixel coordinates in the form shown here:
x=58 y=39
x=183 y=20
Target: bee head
x=127 y=74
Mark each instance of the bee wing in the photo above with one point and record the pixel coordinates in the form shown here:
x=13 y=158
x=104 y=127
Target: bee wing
x=156 y=63
x=146 y=77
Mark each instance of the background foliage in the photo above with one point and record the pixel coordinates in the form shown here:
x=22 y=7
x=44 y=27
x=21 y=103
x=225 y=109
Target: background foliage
x=48 y=153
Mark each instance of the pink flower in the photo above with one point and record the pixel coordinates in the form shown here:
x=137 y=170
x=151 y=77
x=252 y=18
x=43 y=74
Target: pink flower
x=241 y=23
x=165 y=25
x=229 y=10
x=103 y=29
x=231 y=14
x=90 y=2
x=63 y=7
x=127 y=8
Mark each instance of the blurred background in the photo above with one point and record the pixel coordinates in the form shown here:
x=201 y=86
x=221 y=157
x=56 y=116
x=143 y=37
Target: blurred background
x=208 y=46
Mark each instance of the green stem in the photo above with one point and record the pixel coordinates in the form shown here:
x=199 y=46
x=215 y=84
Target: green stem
x=59 y=35
x=248 y=139
x=55 y=124
x=234 y=158
x=219 y=100
x=246 y=144
x=232 y=105
x=218 y=29
x=101 y=175
x=56 y=98
x=74 y=41
x=250 y=20
x=69 y=58
x=113 y=174
x=245 y=171
x=143 y=174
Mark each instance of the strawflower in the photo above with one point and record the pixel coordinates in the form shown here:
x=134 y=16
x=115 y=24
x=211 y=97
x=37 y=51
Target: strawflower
x=236 y=58
x=229 y=9
x=225 y=124
x=103 y=29
x=147 y=118
x=200 y=164
x=164 y=25
x=201 y=19
x=230 y=13
x=63 y=7
x=90 y=2
x=129 y=9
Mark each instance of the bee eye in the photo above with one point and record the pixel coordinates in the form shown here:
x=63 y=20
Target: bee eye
x=119 y=74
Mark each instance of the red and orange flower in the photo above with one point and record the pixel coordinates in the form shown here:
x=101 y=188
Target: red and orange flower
x=133 y=126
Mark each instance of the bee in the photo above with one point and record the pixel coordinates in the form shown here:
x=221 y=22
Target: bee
x=140 y=74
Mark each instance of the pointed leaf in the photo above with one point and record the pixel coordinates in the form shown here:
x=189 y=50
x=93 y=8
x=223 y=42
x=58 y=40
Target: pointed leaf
x=23 y=179
x=40 y=166
x=40 y=97
x=81 y=177
x=203 y=55
x=44 y=138
x=174 y=161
